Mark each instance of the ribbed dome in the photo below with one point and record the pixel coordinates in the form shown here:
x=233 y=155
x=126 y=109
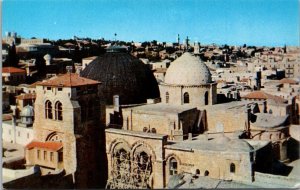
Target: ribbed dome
x=188 y=70
x=124 y=75
x=27 y=111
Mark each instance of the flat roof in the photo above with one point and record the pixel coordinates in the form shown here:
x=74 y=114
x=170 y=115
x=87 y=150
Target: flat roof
x=162 y=108
x=136 y=133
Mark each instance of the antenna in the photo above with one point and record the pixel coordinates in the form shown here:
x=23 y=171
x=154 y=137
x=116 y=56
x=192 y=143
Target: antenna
x=69 y=70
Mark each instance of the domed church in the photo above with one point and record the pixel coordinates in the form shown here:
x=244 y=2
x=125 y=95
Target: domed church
x=122 y=74
x=188 y=81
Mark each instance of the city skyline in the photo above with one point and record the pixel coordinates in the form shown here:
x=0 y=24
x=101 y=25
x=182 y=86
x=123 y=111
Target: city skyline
x=269 y=23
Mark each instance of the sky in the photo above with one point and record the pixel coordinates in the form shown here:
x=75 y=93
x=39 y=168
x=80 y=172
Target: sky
x=232 y=22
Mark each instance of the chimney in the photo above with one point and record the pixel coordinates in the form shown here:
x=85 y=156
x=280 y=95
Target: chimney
x=69 y=69
x=116 y=103
x=78 y=70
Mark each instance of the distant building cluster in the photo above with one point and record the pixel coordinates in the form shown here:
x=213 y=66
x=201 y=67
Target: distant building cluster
x=81 y=113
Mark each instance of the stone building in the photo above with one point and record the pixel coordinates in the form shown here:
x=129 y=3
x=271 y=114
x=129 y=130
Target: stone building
x=68 y=129
x=148 y=144
x=272 y=128
x=19 y=131
x=13 y=75
x=188 y=81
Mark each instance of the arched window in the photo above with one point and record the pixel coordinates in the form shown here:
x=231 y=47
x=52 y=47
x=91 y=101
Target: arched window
x=232 y=168
x=167 y=97
x=206 y=98
x=186 y=98
x=58 y=111
x=48 y=110
x=206 y=173
x=173 y=166
x=197 y=171
x=153 y=130
x=145 y=129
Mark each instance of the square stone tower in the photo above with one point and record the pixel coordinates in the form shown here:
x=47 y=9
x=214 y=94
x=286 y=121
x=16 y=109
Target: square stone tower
x=68 y=114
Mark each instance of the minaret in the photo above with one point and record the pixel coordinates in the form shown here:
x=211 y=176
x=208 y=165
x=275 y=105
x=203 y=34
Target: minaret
x=187 y=42
x=178 y=39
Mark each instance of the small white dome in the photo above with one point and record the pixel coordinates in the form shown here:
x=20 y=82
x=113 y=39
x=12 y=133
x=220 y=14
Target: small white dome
x=188 y=70
x=27 y=111
x=47 y=57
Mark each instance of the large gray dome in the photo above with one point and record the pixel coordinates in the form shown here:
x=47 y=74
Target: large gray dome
x=188 y=70
x=122 y=74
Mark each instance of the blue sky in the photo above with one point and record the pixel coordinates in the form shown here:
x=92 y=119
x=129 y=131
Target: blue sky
x=234 y=22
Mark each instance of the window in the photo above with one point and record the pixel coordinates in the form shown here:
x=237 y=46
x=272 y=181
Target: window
x=232 y=168
x=206 y=173
x=206 y=98
x=48 y=110
x=145 y=129
x=197 y=171
x=173 y=166
x=51 y=156
x=186 y=98
x=153 y=130
x=60 y=156
x=48 y=88
x=167 y=97
x=59 y=89
x=38 y=154
x=45 y=155
x=58 y=111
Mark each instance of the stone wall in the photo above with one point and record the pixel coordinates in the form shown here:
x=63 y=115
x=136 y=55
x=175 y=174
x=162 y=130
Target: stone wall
x=217 y=164
x=196 y=94
x=231 y=120
x=23 y=135
x=131 y=141
x=176 y=125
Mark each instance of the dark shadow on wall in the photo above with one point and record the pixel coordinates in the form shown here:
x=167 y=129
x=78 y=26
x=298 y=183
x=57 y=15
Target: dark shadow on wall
x=293 y=147
x=36 y=181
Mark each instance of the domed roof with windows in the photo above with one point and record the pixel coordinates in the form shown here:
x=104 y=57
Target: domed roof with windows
x=27 y=111
x=188 y=70
x=122 y=74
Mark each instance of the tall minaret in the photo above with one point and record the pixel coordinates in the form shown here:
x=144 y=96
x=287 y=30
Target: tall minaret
x=187 y=42
x=178 y=39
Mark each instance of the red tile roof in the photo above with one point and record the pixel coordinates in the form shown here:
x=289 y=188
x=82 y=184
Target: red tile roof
x=55 y=146
x=26 y=96
x=12 y=70
x=244 y=80
x=160 y=70
x=6 y=117
x=68 y=80
x=264 y=96
x=289 y=81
